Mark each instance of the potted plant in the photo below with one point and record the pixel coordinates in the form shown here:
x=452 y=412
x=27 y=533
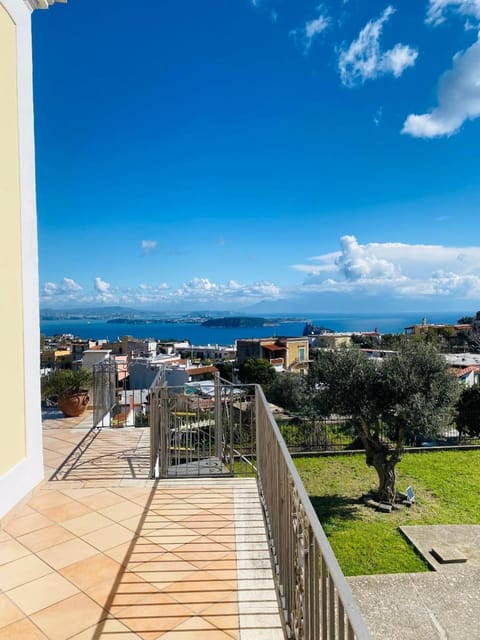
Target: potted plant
x=70 y=388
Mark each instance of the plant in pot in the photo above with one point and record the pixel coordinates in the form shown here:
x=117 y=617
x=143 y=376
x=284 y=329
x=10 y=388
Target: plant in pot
x=70 y=388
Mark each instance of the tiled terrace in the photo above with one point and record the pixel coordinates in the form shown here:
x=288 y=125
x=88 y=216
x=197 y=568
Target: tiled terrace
x=103 y=552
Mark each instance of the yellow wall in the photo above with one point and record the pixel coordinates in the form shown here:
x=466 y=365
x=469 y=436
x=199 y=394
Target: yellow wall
x=12 y=375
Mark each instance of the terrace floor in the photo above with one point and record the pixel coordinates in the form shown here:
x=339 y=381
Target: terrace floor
x=101 y=551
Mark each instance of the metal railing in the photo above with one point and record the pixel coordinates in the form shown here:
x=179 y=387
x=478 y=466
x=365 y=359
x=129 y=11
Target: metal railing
x=200 y=432
x=104 y=390
x=316 y=599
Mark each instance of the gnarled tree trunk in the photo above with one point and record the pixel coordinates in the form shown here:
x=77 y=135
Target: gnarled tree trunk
x=383 y=459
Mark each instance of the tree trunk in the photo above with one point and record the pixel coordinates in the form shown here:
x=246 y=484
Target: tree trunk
x=385 y=468
x=383 y=460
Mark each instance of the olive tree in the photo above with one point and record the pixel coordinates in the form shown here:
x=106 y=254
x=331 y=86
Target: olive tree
x=257 y=371
x=408 y=393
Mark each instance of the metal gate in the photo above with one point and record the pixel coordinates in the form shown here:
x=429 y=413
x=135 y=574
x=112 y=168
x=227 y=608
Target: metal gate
x=104 y=391
x=202 y=430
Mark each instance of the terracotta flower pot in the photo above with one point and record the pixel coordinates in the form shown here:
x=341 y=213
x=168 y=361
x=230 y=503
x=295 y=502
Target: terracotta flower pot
x=74 y=405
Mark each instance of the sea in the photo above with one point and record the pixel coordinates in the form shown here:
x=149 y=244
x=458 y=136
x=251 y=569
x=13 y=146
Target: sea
x=199 y=335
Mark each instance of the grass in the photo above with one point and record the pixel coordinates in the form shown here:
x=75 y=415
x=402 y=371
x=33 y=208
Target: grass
x=447 y=491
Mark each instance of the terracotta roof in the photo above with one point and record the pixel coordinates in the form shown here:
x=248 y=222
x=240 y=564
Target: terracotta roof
x=198 y=371
x=273 y=347
x=459 y=372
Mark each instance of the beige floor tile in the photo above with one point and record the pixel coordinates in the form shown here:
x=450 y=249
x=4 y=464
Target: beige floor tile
x=66 y=511
x=21 y=571
x=47 y=500
x=4 y=536
x=221 y=609
x=26 y=524
x=108 y=537
x=110 y=629
x=9 y=613
x=22 y=630
x=67 y=553
x=41 y=593
x=122 y=511
x=80 y=494
x=100 y=500
x=11 y=550
x=98 y=568
x=151 y=623
x=86 y=523
x=45 y=538
x=69 y=617
x=223 y=621
x=119 y=594
x=165 y=564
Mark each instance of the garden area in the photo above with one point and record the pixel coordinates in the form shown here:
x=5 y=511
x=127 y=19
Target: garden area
x=365 y=541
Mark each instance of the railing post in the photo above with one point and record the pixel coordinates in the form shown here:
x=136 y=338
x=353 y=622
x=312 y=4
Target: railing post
x=218 y=416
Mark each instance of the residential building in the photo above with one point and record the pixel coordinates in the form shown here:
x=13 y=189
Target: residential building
x=213 y=352
x=285 y=354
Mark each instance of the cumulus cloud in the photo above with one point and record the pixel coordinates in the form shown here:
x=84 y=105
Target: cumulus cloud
x=438 y=8
x=101 y=286
x=458 y=98
x=364 y=59
x=357 y=262
x=305 y=35
x=66 y=287
x=395 y=269
x=191 y=293
x=148 y=245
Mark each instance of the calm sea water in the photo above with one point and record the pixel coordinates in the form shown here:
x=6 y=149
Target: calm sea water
x=100 y=330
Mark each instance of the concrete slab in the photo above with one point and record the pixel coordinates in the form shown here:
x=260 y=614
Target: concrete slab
x=430 y=606
x=455 y=541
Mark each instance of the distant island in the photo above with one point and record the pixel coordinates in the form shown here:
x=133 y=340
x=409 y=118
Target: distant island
x=237 y=322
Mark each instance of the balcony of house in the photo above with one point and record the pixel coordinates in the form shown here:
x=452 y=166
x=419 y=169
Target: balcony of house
x=196 y=526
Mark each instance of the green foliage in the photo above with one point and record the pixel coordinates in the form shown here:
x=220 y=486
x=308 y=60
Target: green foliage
x=468 y=411
x=257 y=371
x=65 y=382
x=446 y=484
x=226 y=370
x=290 y=391
x=465 y=320
x=419 y=391
x=411 y=391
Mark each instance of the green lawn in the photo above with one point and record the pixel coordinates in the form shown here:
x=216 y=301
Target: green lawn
x=447 y=490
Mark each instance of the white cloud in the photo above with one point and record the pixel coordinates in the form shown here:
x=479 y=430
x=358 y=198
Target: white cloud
x=458 y=98
x=148 y=245
x=395 y=269
x=305 y=35
x=438 y=8
x=194 y=292
x=355 y=262
x=364 y=60
x=101 y=286
x=66 y=287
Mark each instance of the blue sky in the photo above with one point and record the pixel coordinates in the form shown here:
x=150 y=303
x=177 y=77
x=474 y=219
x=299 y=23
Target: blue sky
x=274 y=155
